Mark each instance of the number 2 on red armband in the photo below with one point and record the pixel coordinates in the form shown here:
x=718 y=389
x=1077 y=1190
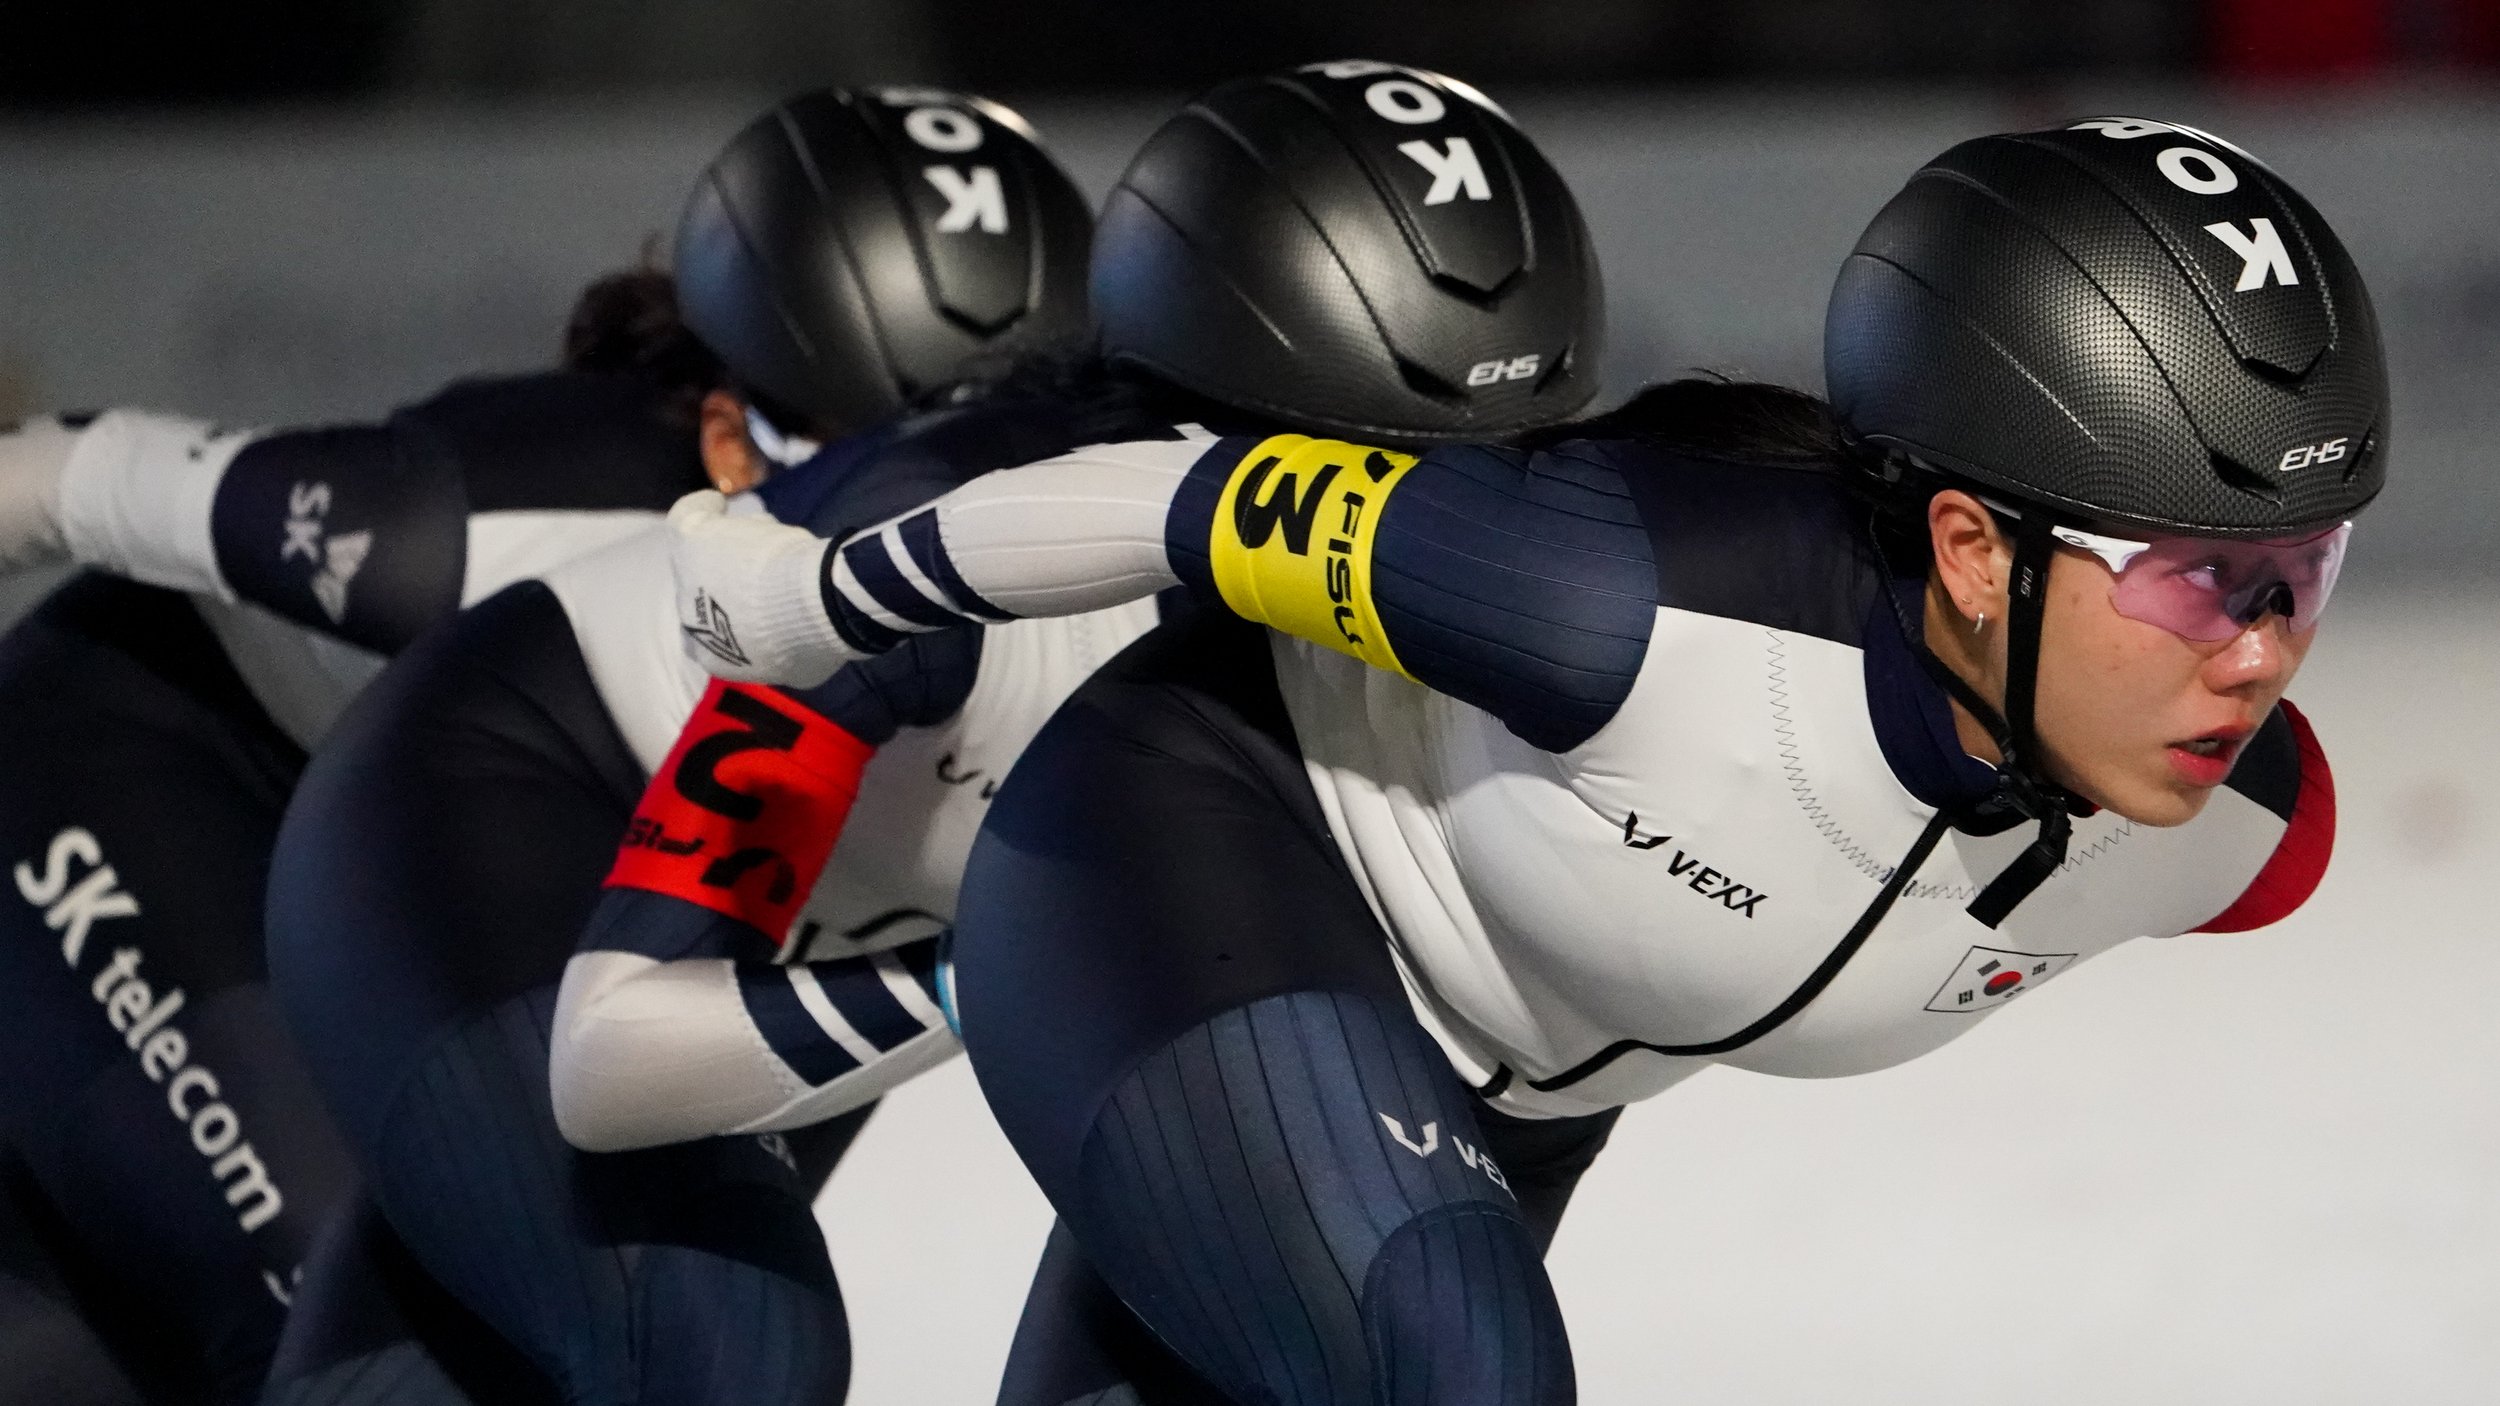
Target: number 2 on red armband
x=744 y=812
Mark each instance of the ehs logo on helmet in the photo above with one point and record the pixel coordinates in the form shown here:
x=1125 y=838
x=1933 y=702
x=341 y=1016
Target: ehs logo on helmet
x=2303 y=455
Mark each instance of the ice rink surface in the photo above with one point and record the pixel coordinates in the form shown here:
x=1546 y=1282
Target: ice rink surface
x=2261 y=1168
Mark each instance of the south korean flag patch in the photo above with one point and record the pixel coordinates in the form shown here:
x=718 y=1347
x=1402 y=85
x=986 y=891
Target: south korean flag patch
x=1991 y=976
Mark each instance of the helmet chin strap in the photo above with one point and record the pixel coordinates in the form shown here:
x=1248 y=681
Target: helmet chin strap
x=2022 y=779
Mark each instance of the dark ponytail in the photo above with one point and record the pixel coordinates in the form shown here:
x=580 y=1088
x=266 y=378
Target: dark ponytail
x=1754 y=422
x=1716 y=417
x=1101 y=397
x=626 y=323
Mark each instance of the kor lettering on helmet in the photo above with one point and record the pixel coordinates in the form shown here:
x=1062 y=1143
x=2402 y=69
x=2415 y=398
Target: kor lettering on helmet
x=2263 y=257
x=1344 y=69
x=1453 y=169
x=1517 y=368
x=2302 y=456
x=2261 y=251
x=974 y=201
x=943 y=129
x=1406 y=102
x=2196 y=171
x=974 y=198
x=2129 y=128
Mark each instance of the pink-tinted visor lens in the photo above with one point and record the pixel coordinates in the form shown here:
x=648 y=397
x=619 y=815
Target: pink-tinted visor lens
x=2205 y=588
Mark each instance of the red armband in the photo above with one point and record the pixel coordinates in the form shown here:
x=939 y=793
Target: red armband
x=2299 y=860
x=745 y=811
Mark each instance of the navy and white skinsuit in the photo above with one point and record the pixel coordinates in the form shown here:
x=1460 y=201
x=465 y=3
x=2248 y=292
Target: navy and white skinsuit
x=1561 y=775
x=536 y=1067
x=166 y=1138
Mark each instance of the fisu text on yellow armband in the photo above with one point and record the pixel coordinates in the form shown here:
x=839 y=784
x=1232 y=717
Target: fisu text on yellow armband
x=1291 y=544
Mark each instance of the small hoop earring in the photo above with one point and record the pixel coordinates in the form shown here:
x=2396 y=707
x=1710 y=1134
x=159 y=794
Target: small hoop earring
x=1979 y=624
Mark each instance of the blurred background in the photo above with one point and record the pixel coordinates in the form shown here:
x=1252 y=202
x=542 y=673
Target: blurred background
x=2246 y=1169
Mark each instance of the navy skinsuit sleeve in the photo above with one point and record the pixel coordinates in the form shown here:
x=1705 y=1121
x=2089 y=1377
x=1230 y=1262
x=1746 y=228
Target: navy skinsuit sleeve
x=1520 y=582
x=1517 y=580
x=361 y=531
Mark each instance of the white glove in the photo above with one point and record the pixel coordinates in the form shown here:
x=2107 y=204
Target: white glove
x=139 y=498
x=749 y=602
x=33 y=456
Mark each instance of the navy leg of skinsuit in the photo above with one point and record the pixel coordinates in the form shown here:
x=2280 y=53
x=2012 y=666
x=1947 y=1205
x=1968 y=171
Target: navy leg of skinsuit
x=174 y=1151
x=1186 y=1019
x=48 y=1352
x=441 y=858
x=371 y=1329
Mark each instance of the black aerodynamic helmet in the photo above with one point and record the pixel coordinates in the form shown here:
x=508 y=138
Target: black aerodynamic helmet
x=1356 y=247
x=850 y=252
x=2124 y=321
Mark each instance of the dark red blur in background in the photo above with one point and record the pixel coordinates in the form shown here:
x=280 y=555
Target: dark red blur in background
x=86 y=53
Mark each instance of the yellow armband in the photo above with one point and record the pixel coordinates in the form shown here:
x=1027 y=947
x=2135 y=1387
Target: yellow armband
x=1291 y=545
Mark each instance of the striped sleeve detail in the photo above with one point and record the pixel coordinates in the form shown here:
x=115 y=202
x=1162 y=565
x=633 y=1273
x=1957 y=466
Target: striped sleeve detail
x=855 y=992
x=873 y=586
x=857 y=628
x=920 y=963
x=896 y=584
x=826 y=1019
x=916 y=1000
x=927 y=548
x=793 y=1028
x=1081 y=532
x=1063 y=536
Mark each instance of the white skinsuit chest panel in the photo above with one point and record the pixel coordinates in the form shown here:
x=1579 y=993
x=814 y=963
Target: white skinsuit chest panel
x=1748 y=756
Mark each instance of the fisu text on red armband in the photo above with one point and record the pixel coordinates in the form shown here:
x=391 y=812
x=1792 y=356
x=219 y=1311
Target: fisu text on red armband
x=743 y=814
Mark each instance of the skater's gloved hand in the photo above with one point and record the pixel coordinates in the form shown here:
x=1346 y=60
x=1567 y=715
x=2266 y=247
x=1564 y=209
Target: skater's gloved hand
x=33 y=455
x=750 y=598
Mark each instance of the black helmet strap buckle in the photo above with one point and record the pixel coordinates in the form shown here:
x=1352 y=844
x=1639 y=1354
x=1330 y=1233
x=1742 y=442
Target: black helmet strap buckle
x=2022 y=778
x=2022 y=786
